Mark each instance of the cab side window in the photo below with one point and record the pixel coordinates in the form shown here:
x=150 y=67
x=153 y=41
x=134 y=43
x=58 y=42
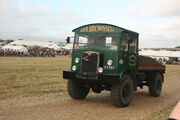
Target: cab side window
x=128 y=42
x=133 y=44
x=123 y=42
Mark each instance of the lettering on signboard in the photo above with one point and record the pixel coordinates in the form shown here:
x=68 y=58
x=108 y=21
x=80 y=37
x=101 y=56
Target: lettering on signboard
x=98 y=28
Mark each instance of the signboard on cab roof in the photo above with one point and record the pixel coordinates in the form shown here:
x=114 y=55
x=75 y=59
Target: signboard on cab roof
x=99 y=28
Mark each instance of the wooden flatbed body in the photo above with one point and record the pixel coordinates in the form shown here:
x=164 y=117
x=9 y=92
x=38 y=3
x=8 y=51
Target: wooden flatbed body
x=147 y=63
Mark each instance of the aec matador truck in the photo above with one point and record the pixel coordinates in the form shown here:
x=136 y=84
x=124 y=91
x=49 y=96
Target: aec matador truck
x=105 y=57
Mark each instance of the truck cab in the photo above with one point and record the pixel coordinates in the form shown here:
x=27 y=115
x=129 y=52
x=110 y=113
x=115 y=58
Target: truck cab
x=105 y=57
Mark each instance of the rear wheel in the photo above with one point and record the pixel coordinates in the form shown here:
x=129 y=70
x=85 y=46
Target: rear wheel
x=156 y=86
x=122 y=94
x=76 y=89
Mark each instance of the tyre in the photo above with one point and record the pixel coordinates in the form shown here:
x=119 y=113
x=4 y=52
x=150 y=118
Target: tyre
x=156 y=86
x=76 y=89
x=122 y=94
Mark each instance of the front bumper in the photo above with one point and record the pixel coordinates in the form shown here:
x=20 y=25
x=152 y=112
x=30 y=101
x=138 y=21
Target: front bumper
x=101 y=78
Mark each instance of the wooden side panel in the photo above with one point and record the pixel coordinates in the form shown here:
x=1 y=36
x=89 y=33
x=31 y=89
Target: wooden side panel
x=147 y=63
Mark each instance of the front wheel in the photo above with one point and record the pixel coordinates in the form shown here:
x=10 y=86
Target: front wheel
x=122 y=94
x=76 y=89
x=156 y=86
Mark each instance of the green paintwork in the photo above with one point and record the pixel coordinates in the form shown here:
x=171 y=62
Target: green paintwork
x=129 y=59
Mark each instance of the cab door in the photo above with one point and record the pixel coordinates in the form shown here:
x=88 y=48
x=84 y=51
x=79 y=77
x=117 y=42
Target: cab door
x=129 y=44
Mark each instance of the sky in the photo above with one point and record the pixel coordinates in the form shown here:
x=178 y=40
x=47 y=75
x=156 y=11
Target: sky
x=156 y=21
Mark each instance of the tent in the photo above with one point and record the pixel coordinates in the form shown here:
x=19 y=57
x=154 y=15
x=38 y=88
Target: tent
x=15 y=48
x=52 y=46
x=68 y=46
x=36 y=43
x=160 y=53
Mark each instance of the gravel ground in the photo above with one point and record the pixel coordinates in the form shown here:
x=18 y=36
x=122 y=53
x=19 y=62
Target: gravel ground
x=94 y=107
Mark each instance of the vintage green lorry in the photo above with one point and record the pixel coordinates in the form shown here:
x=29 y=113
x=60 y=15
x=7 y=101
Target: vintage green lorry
x=105 y=57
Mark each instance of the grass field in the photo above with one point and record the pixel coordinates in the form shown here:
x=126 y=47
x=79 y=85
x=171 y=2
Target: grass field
x=36 y=76
x=27 y=76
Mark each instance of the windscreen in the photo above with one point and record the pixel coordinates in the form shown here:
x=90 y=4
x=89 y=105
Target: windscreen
x=100 y=40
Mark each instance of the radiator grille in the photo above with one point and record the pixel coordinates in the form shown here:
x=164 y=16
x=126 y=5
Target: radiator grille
x=90 y=62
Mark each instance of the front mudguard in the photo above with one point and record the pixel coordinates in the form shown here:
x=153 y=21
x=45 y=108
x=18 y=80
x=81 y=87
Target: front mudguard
x=132 y=73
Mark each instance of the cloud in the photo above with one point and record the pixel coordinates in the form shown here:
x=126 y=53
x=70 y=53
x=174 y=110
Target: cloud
x=65 y=17
x=159 y=22
x=157 y=8
x=24 y=19
x=171 y=25
x=165 y=34
x=4 y=6
x=68 y=16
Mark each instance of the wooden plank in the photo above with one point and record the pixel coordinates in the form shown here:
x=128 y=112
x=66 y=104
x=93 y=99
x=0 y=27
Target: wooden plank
x=151 y=68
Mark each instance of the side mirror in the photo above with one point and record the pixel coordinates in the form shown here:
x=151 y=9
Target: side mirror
x=68 y=39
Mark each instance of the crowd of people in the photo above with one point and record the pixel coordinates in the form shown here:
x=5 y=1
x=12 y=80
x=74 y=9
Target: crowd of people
x=35 y=52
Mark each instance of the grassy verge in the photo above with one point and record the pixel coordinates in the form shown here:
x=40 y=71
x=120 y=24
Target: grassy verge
x=36 y=76
x=163 y=114
x=27 y=76
x=21 y=76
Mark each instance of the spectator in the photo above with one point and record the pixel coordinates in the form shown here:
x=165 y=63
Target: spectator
x=175 y=114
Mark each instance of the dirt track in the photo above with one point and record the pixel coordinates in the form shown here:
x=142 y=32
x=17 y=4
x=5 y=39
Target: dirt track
x=95 y=107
